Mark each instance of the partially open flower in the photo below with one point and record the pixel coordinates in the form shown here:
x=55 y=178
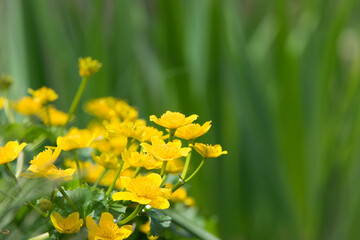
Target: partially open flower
x=136 y=159
x=208 y=150
x=10 y=151
x=68 y=225
x=107 y=229
x=192 y=131
x=173 y=120
x=107 y=160
x=88 y=66
x=56 y=117
x=43 y=95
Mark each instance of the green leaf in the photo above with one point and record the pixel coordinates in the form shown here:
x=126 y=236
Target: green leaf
x=188 y=225
x=158 y=221
x=88 y=202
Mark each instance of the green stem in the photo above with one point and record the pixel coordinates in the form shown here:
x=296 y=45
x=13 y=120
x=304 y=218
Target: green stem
x=187 y=161
x=171 y=134
x=77 y=166
x=101 y=177
x=71 y=203
x=182 y=182
x=196 y=171
x=77 y=97
x=163 y=168
x=116 y=177
x=48 y=114
x=7 y=110
x=132 y=215
x=7 y=166
x=138 y=171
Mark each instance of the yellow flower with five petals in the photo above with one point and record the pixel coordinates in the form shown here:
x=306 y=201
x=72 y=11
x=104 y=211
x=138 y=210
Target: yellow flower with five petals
x=68 y=225
x=173 y=120
x=145 y=190
x=208 y=150
x=107 y=229
x=193 y=130
x=165 y=151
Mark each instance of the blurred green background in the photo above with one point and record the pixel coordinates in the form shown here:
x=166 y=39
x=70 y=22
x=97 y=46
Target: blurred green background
x=279 y=79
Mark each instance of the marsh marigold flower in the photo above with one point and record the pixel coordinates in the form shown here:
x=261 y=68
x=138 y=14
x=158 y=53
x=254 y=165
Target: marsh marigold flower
x=107 y=160
x=208 y=150
x=192 y=131
x=28 y=106
x=173 y=120
x=107 y=229
x=136 y=159
x=75 y=139
x=10 y=151
x=57 y=117
x=115 y=145
x=68 y=225
x=42 y=166
x=88 y=66
x=145 y=228
x=165 y=151
x=145 y=190
x=43 y=95
x=1 y=103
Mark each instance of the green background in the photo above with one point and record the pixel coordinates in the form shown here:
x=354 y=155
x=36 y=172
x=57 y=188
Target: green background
x=279 y=79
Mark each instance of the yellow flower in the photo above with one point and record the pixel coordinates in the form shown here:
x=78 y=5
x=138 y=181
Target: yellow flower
x=145 y=190
x=1 y=103
x=88 y=66
x=57 y=117
x=115 y=145
x=126 y=112
x=68 y=225
x=107 y=229
x=43 y=94
x=189 y=201
x=10 y=151
x=127 y=129
x=208 y=150
x=107 y=160
x=165 y=151
x=173 y=120
x=75 y=139
x=136 y=159
x=145 y=133
x=42 y=166
x=28 y=106
x=175 y=166
x=193 y=130
x=102 y=108
x=145 y=228
x=179 y=195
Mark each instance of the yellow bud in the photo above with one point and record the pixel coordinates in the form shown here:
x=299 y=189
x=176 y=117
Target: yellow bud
x=5 y=82
x=45 y=204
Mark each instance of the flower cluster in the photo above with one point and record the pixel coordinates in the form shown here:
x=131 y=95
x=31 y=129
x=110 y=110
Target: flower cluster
x=118 y=156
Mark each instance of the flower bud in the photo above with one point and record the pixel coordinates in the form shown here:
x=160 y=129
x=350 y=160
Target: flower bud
x=45 y=204
x=5 y=82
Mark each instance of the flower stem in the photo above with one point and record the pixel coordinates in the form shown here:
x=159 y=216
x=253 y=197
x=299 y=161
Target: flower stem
x=77 y=97
x=171 y=134
x=78 y=166
x=163 y=168
x=115 y=178
x=187 y=161
x=138 y=171
x=48 y=115
x=71 y=203
x=7 y=166
x=101 y=177
x=7 y=110
x=182 y=181
x=132 y=215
